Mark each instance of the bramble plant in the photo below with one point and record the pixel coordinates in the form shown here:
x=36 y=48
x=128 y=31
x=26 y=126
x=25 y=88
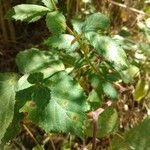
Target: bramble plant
x=69 y=83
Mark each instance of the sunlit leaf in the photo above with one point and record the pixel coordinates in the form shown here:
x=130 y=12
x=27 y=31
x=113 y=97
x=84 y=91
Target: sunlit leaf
x=93 y=97
x=63 y=41
x=109 y=49
x=66 y=109
x=34 y=60
x=129 y=74
x=109 y=90
x=27 y=12
x=141 y=90
x=96 y=21
x=77 y=25
x=56 y=22
x=48 y=3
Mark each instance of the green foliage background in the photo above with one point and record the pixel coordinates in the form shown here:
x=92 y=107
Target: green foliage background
x=74 y=75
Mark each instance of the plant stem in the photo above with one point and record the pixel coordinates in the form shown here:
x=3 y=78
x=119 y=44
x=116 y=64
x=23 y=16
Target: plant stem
x=71 y=32
x=32 y=136
x=85 y=49
x=52 y=143
x=94 y=134
x=129 y=8
x=54 y=5
x=95 y=115
x=77 y=37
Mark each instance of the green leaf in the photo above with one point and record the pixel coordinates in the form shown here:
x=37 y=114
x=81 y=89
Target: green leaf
x=138 y=137
x=41 y=96
x=23 y=83
x=7 y=100
x=145 y=48
x=37 y=93
x=109 y=49
x=31 y=60
x=93 y=97
x=135 y=139
x=35 y=77
x=124 y=32
x=109 y=90
x=36 y=96
x=27 y=12
x=129 y=74
x=77 y=25
x=96 y=83
x=106 y=124
x=96 y=21
x=56 y=22
x=132 y=71
x=23 y=91
x=65 y=111
x=14 y=128
x=141 y=90
x=94 y=100
x=68 y=55
x=49 y=4
x=34 y=60
x=63 y=41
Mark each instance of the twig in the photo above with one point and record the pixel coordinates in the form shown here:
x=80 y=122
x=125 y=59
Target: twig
x=54 y=5
x=48 y=139
x=85 y=49
x=32 y=136
x=110 y=144
x=94 y=134
x=129 y=8
x=71 y=32
x=52 y=144
x=120 y=136
x=77 y=37
x=95 y=115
